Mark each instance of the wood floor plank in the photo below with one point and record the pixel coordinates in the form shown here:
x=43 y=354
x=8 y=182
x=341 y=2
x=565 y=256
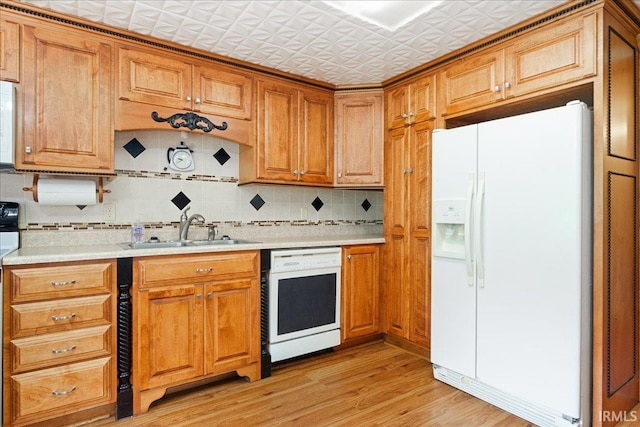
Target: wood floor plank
x=373 y=384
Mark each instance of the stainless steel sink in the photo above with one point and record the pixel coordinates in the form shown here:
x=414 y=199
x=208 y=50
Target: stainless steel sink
x=182 y=243
x=218 y=242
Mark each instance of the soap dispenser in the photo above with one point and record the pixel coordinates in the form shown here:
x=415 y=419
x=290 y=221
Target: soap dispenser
x=137 y=232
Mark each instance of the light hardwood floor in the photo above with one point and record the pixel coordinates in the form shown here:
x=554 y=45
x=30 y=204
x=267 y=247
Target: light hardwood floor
x=370 y=385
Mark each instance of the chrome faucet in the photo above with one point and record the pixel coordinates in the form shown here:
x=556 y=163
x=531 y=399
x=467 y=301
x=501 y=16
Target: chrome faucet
x=186 y=222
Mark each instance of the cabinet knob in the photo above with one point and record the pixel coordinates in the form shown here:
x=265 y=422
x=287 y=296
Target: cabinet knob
x=348 y=256
x=198 y=101
x=209 y=295
x=199 y=296
x=188 y=98
x=410 y=170
x=507 y=85
x=204 y=270
x=27 y=149
x=405 y=116
x=496 y=88
x=295 y=171
x=411 y=114
x=339 y=174
x=302 y=172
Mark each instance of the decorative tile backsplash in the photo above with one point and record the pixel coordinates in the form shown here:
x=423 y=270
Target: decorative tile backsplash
x=146 y=189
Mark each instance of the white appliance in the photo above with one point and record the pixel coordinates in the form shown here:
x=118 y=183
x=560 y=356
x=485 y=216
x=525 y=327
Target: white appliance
x=511 y=263
x=7 y=125
x=304 y=301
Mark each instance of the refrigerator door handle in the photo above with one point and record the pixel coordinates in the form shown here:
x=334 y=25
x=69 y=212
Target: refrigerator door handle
x=467 y=228
x=478 y=229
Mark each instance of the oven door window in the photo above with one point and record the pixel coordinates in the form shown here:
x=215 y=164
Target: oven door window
x=303 y=303
x=306 y=302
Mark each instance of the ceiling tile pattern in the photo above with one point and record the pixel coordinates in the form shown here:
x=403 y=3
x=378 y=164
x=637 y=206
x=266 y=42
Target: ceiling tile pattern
x=308 y=38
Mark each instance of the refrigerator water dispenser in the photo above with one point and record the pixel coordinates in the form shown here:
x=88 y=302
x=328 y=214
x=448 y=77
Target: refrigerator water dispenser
x=449 y=228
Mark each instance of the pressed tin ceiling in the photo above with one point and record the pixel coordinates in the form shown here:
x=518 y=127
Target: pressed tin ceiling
x=308 y=38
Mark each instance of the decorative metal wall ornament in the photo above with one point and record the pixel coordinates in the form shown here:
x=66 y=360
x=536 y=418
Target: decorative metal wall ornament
x=189 y=120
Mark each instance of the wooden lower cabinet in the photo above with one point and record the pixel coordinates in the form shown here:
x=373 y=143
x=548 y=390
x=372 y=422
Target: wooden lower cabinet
x=59 y=341
x=190 y=328
x=360 y=291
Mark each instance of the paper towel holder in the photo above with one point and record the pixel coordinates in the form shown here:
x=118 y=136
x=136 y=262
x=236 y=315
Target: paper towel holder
x=34 y=189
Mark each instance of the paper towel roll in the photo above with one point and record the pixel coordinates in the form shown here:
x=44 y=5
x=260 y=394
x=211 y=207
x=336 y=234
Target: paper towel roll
x=58 y=191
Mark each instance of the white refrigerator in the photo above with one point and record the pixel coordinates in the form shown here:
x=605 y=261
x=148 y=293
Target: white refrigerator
x=511 y=263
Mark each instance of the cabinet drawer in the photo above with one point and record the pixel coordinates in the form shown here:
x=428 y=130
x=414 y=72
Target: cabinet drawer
x=48 y=350
x=54 y=391
x=55 y=316
x=198 y=269
x=61 y=281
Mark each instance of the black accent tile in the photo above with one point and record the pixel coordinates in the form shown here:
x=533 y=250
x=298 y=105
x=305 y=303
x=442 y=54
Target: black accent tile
x=366 y=205
x=257 y=202
x=81 y=207
x=317 y=203
x=134 y=148
x=222 y=156
x=181 y=200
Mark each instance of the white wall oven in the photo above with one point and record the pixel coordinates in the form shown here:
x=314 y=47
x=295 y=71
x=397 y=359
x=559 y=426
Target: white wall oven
x=304 y=301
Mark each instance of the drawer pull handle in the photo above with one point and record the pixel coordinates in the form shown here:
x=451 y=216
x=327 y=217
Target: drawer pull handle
x=59 y=318
x=204 y=270
x=65 y=392
x=63 y=283
x=63 y=350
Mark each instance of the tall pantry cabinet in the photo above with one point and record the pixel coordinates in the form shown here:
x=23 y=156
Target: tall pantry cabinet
x=410 y=110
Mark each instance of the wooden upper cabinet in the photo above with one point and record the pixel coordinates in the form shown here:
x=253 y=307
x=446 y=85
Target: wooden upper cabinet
x=9 y=50
x=221 y=92
x=359 y=139
x=413 y=102
x=152 y=77
x=277 y=139
x=66 y=89
x=554 y=55
x=315 y=140
x=294 y=135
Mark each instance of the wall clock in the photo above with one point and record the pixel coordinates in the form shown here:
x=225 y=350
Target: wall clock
x=180 y=158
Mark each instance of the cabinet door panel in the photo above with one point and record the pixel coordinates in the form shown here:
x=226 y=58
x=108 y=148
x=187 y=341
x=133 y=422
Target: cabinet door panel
x=232 y=333
x=152 y=79
x=559 y=54
x=169 y=335
x=316 y=138
x=420 y=176
x=423 y=104
x=9 y=51
x=222 y=93
x=359 y=151
x=396 y=184
x=473 y=81
x=397 y=107
x=277 y=131
x=420 y=276
x=396 y=300
x=360 y=312
x=67 y=102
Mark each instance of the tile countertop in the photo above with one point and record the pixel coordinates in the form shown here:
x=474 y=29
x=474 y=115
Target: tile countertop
x=35 y=255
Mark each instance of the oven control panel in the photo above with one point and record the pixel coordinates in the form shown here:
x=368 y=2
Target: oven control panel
x=305 y=259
